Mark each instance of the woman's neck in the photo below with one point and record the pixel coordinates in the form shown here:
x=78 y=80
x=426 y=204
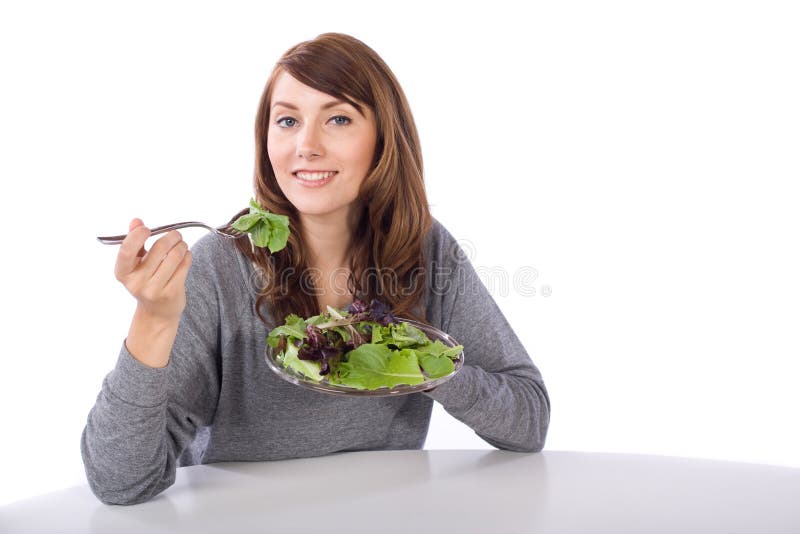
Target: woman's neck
x=328 y=239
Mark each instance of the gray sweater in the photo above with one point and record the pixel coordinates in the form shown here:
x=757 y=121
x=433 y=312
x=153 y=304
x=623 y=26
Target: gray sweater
x=218 y=401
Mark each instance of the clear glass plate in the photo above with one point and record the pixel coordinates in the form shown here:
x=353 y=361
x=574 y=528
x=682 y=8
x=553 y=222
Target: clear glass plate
x=337 y=389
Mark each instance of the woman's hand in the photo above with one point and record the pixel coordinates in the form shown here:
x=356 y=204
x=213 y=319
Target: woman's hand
x=156 y=279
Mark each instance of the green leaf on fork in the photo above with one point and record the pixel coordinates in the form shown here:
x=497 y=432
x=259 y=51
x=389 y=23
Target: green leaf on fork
x=266 y=229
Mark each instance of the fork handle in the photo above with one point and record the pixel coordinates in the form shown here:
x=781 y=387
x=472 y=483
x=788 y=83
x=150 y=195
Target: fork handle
x=118 y=239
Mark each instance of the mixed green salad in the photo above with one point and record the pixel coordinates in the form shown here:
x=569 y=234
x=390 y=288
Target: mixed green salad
x=266 y=229
x=363 y=347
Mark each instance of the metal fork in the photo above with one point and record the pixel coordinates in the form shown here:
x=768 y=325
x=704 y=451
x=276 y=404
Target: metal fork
x=225 y=231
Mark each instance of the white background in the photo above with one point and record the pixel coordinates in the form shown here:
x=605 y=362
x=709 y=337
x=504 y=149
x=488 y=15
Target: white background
x=642 y=157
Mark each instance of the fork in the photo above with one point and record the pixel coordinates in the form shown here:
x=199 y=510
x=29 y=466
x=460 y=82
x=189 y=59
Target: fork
x=225 y=231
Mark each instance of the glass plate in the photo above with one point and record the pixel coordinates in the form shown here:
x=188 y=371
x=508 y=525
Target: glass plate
x=336 y=389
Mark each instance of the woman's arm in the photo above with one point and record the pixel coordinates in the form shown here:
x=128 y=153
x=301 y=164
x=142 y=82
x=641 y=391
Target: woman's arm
x=150 y=407
x=499 y=392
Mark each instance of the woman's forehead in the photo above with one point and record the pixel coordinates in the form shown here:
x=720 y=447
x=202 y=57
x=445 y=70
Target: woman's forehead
x=291 y=93
x=290 y=90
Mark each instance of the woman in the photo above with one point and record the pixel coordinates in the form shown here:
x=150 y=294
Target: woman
x=337 y=151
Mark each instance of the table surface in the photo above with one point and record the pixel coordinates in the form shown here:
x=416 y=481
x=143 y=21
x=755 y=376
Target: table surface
x=443 y=491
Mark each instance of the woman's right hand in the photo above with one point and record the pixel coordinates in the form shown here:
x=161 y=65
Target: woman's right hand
x=156 y=279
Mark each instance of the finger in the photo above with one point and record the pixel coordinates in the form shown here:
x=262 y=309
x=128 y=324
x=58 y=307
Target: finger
x=129 y=251
x=179 y=276
x=158 y=252
x=134 y=224
x=169 y=265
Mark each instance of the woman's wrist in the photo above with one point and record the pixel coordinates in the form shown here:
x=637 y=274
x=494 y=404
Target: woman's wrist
x=150 y=338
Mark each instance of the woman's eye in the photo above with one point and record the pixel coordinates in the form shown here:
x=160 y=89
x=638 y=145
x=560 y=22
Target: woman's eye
x=286 y=122
x=341 y=120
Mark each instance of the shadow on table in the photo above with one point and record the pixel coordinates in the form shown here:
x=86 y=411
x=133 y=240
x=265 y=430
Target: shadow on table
x=156 y=515
x=282 y=496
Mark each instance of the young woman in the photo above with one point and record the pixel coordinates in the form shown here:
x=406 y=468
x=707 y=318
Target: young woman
x=337 y=152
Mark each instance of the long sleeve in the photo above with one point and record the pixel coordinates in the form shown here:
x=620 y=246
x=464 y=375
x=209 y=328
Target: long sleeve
x=144 y=418
x=499 y=392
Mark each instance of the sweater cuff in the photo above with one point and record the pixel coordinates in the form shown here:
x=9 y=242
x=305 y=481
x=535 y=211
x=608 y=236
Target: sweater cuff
x=458 y=394
x=136 y=383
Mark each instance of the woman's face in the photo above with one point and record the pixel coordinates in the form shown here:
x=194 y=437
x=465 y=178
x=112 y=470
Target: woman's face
x=320 y=148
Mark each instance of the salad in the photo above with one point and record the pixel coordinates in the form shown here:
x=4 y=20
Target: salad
x=363 y=347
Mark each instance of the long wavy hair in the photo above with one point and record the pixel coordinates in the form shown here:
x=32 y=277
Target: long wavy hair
x=387 y=256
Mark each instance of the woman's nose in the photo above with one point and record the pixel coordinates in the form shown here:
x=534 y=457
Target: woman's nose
x=309 y=143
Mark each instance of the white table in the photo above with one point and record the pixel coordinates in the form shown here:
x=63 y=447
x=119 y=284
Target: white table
x=443 y=491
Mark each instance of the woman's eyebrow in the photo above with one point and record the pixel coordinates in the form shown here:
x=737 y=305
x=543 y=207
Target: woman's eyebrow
x=327 y=105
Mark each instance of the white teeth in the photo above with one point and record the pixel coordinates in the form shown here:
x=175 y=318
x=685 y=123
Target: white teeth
x=314 y=176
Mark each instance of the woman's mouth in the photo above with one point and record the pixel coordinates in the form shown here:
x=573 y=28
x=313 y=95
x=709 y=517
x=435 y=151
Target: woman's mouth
x=314 y=178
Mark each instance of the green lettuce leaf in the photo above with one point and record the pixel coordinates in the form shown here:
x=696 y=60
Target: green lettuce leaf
x=436 y=366
x=377 y=334
x=401 y=335
x=266 y=229
x=437 y=348
x=280 y=231
x=372 y=366
x=246 y=222
x=294 y=328
x=342 y=331
x=307 y=368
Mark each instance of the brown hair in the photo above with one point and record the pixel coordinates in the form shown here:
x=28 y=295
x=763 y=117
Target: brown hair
x=387 y=261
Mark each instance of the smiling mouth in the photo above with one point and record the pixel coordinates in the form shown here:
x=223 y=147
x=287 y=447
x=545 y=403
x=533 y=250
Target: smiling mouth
x=314 y=176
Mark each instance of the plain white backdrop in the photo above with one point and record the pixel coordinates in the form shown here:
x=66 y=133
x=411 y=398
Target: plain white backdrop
x=638 y=160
